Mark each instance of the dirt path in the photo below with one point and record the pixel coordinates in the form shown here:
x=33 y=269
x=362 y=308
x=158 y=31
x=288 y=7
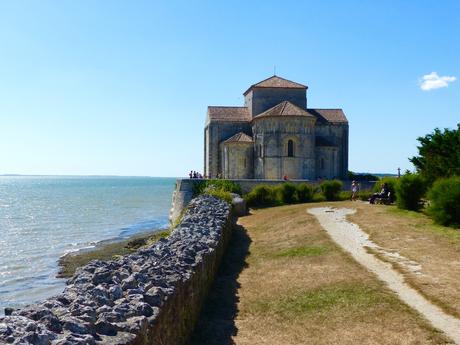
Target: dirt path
x=351 y=238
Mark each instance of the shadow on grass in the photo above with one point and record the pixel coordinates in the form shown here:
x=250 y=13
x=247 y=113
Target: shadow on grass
x=216 y=324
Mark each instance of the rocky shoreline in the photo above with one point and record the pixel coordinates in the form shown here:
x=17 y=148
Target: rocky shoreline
x=107 y=250
x=151 y=296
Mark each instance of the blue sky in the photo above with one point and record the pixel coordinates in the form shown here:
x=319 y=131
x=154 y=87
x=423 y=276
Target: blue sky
x=121 y=87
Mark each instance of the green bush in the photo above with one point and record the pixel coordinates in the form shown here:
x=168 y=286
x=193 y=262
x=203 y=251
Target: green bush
x=225 y=185
x=444 y=197
x=331 y=189
x=304 y=192
x=345 y=195
x=261 y=195
x=286 y=193
x=364 y=195
x=219 y=193
x=409 y=191
x=391 y=182
x=318 y=197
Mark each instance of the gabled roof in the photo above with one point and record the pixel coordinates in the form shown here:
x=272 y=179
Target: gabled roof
x=276 y=82
x=329 y=115
x=230 y=114
x=239 y=138
x=285 y=108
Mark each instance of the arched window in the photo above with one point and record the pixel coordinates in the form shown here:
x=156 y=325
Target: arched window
x=290 y=148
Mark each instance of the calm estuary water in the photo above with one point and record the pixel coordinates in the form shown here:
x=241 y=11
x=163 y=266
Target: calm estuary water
x=42 y=218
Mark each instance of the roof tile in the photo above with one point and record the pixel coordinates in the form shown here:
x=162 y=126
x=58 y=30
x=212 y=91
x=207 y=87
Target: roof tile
x=329 y=115
x=285 y=108
x=239 y=138
x=228 y=114
x=277 y=82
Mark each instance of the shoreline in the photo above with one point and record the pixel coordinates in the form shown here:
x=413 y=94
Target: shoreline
x=103 y=250
x=107 y=250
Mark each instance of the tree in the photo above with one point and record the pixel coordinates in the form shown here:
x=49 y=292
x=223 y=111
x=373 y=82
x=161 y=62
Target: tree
x=361 y=177
x=439 y=154
x=410 y=191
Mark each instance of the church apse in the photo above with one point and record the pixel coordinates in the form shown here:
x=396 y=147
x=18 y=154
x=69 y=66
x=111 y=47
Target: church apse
x=275 y=135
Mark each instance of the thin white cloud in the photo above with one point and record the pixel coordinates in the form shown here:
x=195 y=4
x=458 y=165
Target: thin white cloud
x=434 y=81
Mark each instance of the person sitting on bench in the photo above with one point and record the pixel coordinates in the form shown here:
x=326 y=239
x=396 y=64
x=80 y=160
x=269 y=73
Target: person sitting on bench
x=383 y=194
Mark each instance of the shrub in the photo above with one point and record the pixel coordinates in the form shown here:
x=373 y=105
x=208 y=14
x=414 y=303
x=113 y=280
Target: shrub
x=219 y=193
x=260 y=196
x=409 y=191
x=345 y=195
x=304 y=192
x=391 y=182
x=445 y=201
x=286 y=193
x=331 y=189
x=364 y=195
x=225 y=185
x=318 y=197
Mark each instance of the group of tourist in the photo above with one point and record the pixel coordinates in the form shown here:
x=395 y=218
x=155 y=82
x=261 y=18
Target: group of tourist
x=195 y=174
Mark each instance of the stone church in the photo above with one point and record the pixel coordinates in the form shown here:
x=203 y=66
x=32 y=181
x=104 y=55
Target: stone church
x=275 y=135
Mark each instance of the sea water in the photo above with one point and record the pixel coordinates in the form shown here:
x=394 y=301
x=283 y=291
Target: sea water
x=43 y=218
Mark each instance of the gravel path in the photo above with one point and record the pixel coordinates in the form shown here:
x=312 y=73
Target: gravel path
x=351 y=238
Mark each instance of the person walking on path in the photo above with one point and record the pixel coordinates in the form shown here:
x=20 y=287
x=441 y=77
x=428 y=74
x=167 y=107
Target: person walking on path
x=354 y=190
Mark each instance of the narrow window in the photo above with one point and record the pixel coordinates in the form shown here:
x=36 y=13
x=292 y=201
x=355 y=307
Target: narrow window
x=321 y=163
x=244 y=162
x=290 y=148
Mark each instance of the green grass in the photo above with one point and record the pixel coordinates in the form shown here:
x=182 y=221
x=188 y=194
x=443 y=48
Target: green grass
x=303 y=251
x=423 y=223
x=220 y=194
x=349 y=297
x=105 y=252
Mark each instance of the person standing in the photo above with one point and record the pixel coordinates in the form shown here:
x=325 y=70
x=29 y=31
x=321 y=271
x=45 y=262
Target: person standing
x=354 y=190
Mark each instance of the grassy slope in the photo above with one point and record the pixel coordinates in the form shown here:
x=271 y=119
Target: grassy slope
x=415 y=236
x=284 y=281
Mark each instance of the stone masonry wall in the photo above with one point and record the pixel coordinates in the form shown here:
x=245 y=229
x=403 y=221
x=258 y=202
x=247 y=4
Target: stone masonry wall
x=153 y=296
x=215 y=133
x=181 y=196
x=260 y=99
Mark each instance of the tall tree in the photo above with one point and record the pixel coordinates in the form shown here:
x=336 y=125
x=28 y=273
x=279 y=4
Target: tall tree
x=439 y=154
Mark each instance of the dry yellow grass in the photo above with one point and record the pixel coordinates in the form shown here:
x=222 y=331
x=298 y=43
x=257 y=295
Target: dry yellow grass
x=415 y=236
x=285 y=282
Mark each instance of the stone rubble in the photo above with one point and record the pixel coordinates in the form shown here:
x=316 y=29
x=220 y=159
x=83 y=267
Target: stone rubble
x=113 y=302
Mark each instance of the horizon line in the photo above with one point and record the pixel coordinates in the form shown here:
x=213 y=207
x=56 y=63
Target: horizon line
x=83 y=175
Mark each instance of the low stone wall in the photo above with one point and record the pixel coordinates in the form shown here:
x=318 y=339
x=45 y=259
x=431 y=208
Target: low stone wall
x=182 y=195
x=153 y=296
x=183 y=192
